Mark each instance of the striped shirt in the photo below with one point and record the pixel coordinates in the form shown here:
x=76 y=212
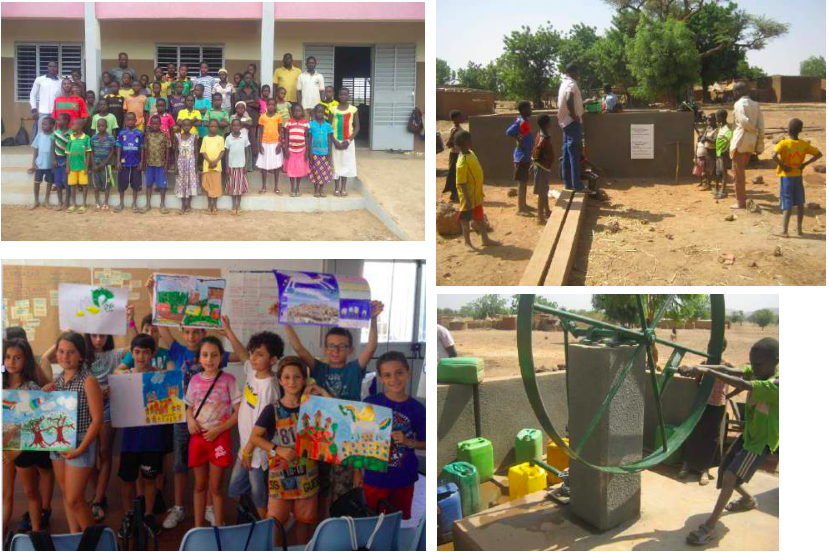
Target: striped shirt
x=77 y=384
x=718 y=393
x=61 y=138
x=207 y=82
x=296 y=135
x=343 y=123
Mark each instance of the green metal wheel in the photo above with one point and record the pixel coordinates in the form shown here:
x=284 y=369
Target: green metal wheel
x=645 y=338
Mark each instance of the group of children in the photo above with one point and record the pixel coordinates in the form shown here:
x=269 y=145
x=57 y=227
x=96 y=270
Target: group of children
x=294 y=490
x=139 y=132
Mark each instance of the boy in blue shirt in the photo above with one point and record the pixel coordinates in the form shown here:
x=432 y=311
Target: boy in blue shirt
x=522 y=155
x=129 y=160
x=42 y=158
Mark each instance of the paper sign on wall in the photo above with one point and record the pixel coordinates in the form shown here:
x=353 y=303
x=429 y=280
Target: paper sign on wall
x=35 y=420
x=92 y=309
x=641 y=141
x=147 y=398
x=349 y=433
x=188 y=301
x=313 y=298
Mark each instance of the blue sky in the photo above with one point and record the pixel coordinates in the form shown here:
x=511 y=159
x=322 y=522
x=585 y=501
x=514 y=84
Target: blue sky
x=745 y=302
x=473 y=32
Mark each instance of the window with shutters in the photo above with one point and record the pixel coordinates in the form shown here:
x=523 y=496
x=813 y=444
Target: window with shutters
x=192 y=55
x=360 y=89
x=31 y=60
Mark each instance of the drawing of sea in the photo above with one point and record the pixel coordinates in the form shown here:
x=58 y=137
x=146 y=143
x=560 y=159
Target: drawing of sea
x=190 y=301
x=308 y=298
x=349 y=433
x=163 y=397
x=35 y=420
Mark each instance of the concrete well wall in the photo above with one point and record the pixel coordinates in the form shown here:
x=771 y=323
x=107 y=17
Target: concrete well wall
x=471 y=102
x=797 y=89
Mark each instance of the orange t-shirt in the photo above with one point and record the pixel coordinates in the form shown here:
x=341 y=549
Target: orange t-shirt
x=270 y=134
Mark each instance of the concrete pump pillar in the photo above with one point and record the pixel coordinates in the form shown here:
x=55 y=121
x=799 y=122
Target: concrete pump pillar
x=601 y=499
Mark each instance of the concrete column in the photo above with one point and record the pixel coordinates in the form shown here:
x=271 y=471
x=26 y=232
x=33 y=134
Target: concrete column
x=92 y=48
x=601 y=499
x=266 y=55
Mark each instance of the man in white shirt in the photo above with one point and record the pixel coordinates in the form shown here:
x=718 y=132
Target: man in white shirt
x=570 y=110
x=42 y=97
x=309 y=87
x=748 y=138
x=446 y=345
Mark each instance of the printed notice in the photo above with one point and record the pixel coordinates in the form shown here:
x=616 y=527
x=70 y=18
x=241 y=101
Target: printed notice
x=641 y=141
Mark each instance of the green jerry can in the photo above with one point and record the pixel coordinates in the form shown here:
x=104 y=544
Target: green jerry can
x=528 y=445
x=478 y=452
x=465 y=476
x=467 y=370
x=676 y=458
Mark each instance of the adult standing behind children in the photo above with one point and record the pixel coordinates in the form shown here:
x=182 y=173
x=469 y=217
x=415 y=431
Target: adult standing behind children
x=123 y=67
x=748 y=138
x=287 y=77
x=570 y=110
x=310 y=87
x=42 y=97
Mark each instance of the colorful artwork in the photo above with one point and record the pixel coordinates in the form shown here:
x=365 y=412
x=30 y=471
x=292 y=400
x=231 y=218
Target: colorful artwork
x=313 y=298
x=188 y=301
x=344 y=432
x=92 y=309
x=147 y=398
x=36 y=420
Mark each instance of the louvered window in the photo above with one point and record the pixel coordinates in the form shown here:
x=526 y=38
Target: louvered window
x=192 y=55
x=31 y=60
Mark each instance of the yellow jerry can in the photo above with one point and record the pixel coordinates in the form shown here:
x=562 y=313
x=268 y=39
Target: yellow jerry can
x=558 y=459
x=525 y=479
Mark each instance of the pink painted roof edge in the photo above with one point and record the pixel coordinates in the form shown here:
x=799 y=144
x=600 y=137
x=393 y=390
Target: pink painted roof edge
x=351 y=11
x=42 y=10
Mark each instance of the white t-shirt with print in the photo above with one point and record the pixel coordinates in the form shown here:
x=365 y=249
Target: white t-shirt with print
x=312 y=88
x=256 y=395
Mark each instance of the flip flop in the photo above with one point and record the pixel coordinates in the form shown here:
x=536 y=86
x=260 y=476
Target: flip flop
x=701 y=536
x=741 y=505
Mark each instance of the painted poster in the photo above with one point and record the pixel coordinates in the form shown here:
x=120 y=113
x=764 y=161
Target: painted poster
x=92 y=309
x=313 y=298
x=344 y=432
x=36 y=420
x=147 y=398
x=188 y=301
x=641 y=141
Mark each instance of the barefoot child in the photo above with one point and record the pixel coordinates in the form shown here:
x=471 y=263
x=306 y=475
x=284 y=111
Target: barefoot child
x=790 y=156
x=759 y=439
x=264 y=96
x=242 y=116
x=470 y=181
x=42 y=159
x=202 y=105
x=346 y=126
x=520 y=131
x=156 y=156
x=238 y=152
x=298 y=151
x=543 y=158
x=103 y=154
x=187 y=181
x=79 y=151
x=396 y=485
x=270 y=148
x=322 y=144
x=102 y=112
x=115 y=104
x=457 y=119
x=283 y=107
x=723 y=160
x=60 y=136
x=177 y=99
x=213 y=151
x=129 y=160
x=137 y=104
x=329 y=101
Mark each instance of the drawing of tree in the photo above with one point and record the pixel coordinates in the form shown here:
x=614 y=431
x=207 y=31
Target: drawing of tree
x=33 y=426
x=61 y=422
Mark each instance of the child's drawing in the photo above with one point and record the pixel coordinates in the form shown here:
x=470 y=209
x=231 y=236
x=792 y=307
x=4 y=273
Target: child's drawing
x=147 y=398
x=323 y=299
x=344 y=432
x=35 y=420
x=93 y=309
x=189 y=301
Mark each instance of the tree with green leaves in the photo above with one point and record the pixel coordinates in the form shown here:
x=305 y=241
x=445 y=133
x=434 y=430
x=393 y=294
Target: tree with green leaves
x=488 y=306
x=443 y=73
x=577 y=46
x=478 y=76
x=623 y=308
x=749 y=72
x=737 y=317
x=529 y=62
x=815 y=66
x=539 y=300
x=609 y=54
x=762 y=318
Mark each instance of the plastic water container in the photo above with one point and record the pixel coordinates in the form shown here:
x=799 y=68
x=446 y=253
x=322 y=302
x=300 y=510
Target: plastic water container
x=525 y=479
x=478 y=452
x=558 y=459
x=466 y=370
x=465 y=477
x=528 y=445
x=449 y=502
x=676 y=458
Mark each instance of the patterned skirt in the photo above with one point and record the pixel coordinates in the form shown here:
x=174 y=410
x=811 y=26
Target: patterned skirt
x=187 y=180
x=237 y=184
x=320 y=169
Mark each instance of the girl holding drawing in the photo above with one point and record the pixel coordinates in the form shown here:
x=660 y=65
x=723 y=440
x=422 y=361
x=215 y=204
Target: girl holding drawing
x=35 y=468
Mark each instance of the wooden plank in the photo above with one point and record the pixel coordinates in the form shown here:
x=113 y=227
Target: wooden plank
x=536 y=269
x=566 y=250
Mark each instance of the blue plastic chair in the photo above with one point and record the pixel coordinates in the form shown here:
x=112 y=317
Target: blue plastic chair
x=413 y=538
x=333 y=533
x=68 y=541
x=232 y=537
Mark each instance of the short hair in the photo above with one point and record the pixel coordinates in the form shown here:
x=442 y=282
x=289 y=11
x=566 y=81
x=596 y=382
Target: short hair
x=52 y=120
x=768 y=348
x=16 y=332
x=462 y=138
x=264 y=86
x=212 y=340
x=309 y=58
x=200 y=85
x=342 y=332
x=156 y=116
x=454 y=114
x=291 y=361
x=147 y=321
x=183 y=65
x=271 y=341
x=125 y=74
x=795 y=126
x=543 y=120
x=122 y=54
x=722 y=114
x=143 y=341
x=572 y=67
x=76 y=70
x=278 y=88
x=63 y=115
x=213 y=96
x=144 y=75
x=345 y=88
x=251 y=64
x=161 y=100
x=204 y=63
x=392 y=356
x=129 y=114
x=523 y=104
x=608 y=87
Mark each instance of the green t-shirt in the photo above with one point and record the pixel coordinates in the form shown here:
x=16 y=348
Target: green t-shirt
x=61 y=138
x=723 y=139
x=77 y=148
x=219 y=115
x=112 y=122
x=762 y=415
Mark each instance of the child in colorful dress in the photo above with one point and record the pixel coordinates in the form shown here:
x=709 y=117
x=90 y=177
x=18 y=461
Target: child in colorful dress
x=296 y=156
x=202 y=105
x=225 y=89
x=189 y=112
x=242 y=116
x=283 y=106
x=187 y=181
x=129 y=160
x=42 y=158
x=79 y=150
x=103 y=153
x=270 y=147
x=216 y=113
x=346 y=126
x=150 y=106
x=322 y=142
x=213 y=151
x=237 y=146
x=177 y=99
x=157 y=159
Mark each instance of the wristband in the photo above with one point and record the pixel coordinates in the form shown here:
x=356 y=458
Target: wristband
x=246 y=455
x=132 y=323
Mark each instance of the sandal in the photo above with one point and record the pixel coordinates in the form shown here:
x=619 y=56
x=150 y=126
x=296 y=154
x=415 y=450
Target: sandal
x=741 y=505
x=263 y=191
x=700 y=536
x=104 y=207
x=277 y=192
x=82 y=210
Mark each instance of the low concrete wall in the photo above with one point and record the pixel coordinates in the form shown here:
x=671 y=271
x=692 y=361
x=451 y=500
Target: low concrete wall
x=471 y=102
x=797 y=89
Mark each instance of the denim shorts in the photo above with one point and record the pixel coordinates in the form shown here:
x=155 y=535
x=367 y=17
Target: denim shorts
x=60 y=174
x=107 y=412
x=181 y=443
x=44 y=174
x=254 y=481
x=85 y=460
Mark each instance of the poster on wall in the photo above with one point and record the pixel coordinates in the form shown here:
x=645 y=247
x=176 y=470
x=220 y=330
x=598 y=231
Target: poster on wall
x=147 y=398
x=641 y=141
x=341 y=432
x=36 y=420
x=92 y=309
x=188 y=301
x=314 y=298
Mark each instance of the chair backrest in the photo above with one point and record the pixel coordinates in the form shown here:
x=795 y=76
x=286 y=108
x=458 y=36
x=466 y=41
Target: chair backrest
x=333 y=533
x=232 y=537
x=421 y=537
x=67 y=542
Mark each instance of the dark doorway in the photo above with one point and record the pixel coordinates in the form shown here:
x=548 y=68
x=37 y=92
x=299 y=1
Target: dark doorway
x=352 y=69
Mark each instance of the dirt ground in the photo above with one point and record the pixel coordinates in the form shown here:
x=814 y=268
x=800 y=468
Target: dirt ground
x=660 y=232
x=500 y=353
x=18 y=223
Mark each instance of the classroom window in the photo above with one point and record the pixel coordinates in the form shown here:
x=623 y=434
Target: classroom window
x=396 y=284
x=192 y=55
x=31 y=60
x=360 y=89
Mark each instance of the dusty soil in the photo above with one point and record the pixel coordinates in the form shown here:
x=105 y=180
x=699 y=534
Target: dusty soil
x=500 y=353
x=18 y=223
x=660 y=232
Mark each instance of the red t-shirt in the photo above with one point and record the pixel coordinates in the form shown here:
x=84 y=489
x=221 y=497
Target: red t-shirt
x=75 y=106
